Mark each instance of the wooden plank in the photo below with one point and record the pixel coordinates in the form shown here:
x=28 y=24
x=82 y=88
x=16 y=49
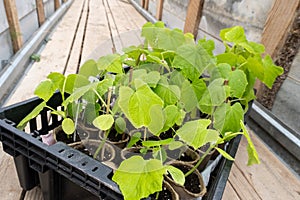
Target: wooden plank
x=269 y=180
x=279 y=20
x=34 y=194
x=240 y=184
x=40 y=11
x=14 y=25
x=97 y=39
x=56 y=4
x=193 y=16
x=126 y=27
x=75 y=54
x=159 y=9
x=230 y=193
x=142 y=3
x=146 y=6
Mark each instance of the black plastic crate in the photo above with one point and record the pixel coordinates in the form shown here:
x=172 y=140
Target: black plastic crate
x=60 y=166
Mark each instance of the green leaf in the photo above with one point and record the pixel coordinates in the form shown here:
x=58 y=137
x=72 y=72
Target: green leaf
x=175 y=145
x=256 y=67
x=234 y=34
x=68 y=126
x=222 y=70
x=252 y=153
x=45 y=90
x=199 y=88
x=110 y=63
x=224 y=154
x=74 y=81
x=89 y=68
x=140 y=104
x=151 y=78
x=104 y=85
x=125 y=94
x=134 y=138
x=138 y=178
x=171 y=115
x=188 y=96
x=271 y=71
x=237 y=82
x=192 y=60
x=228 y=57
x=79 y=92
x=35 y=112
x=227 y=118
x=157 y=119
x=196 y=134
x=176 y=174
x=160 y=37
x=57 y=79
x=208 y=45
x=154 y=143
x=120 y=125
x=170 y=94
x=104 y=122
x=215 y=94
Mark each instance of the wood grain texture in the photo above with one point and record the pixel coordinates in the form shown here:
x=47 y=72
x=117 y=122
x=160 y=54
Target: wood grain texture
x=269 y=180
x=40 y=11
x=193 y=16
x=74 y=59
x=56 y=4
x=146 y=5
x=14 y=24
x=280 y=19
x=159 y=9
x=230 y=193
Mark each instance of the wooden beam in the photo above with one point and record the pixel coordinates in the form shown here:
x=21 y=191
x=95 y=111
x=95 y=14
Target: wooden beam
x=143 y=3
x=159 y=9
x=146 y=5
x=14 y=25
x=280 y=19
x=56 y=4
x=279 y=31
x=193 y=16
x=40 y=11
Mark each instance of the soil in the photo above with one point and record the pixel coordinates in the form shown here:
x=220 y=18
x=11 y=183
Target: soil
x=192 y=182
x=165 y=194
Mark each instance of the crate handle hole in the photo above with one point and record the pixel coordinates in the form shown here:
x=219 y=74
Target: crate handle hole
x=84 y=163
x=95 y=169
x=71 y=155
x=62 y=150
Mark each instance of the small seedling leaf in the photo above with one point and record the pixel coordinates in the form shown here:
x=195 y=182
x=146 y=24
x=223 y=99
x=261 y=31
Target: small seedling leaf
x=68 y=126
x=104 y=122
x=176 y=174
x=224 y=153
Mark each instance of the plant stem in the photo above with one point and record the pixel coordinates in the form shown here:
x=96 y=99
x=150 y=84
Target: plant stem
x=199 y=161
x=76 y=119
x=101 y=145
x=145 y=133
x=108 y=100
x=102 y=101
